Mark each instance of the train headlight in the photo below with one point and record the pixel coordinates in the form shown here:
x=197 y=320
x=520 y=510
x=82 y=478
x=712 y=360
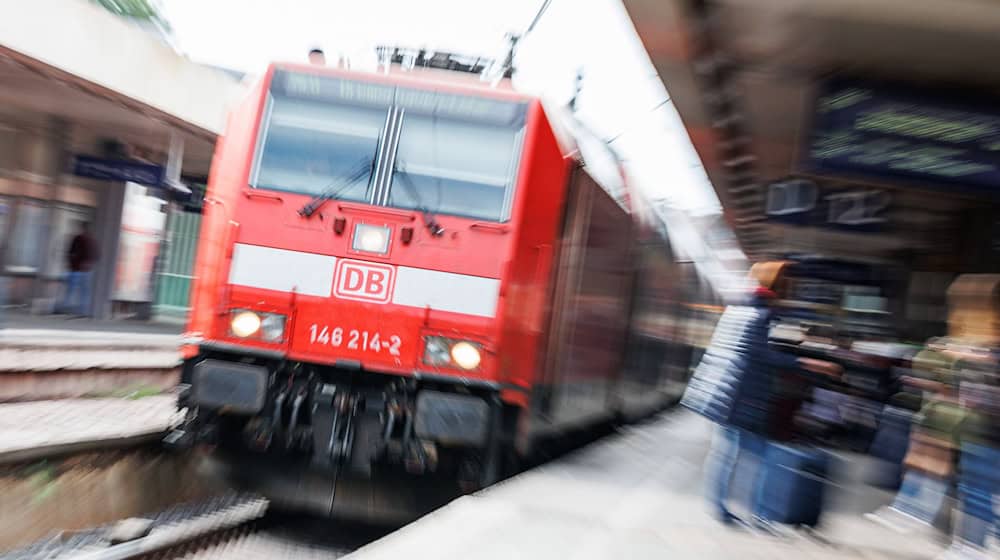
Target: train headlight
x=269 y=327
x=465 y=355
x=371 y=239
x=272 y=327
x=244 y=323
x=441 y=351
x=437 y=351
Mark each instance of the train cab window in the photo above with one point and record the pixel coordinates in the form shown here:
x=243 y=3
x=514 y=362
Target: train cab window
x=457 y=155
x=449 y=154
x=315 y=146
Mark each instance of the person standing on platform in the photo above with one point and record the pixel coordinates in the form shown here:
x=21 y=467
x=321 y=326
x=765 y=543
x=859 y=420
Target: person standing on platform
x=80 y=259
x=979 y=455
x=734 y=385
x=930 y=459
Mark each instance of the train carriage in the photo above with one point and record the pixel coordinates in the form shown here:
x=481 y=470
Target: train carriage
x=409 y=271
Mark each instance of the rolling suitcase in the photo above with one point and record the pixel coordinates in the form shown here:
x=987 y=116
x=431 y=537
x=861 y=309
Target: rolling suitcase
x=979 y=480
x=890 y=444
x=792 y=484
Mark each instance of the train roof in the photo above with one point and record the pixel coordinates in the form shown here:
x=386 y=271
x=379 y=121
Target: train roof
x=574 y=138
x=579 y=142
x=420 y=77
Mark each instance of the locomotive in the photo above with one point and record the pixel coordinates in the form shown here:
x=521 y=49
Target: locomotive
x=415 y=272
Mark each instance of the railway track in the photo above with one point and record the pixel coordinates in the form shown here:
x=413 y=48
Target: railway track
x=250 y=542
x=182 y=528
x=236 y=526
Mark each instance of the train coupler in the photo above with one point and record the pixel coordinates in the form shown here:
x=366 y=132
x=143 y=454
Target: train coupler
x=190 y=433
x=186 y=434
x=338 y=416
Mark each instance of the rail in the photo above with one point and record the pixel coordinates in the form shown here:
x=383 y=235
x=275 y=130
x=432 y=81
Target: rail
x=180 y=526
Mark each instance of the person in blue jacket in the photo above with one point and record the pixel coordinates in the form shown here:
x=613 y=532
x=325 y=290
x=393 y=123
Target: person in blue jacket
x=734 y=385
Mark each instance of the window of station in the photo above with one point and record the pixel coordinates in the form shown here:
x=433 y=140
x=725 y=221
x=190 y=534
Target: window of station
x=25 y=251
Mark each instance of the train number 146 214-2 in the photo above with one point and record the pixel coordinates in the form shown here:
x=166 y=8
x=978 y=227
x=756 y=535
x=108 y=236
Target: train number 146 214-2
x=354 y=339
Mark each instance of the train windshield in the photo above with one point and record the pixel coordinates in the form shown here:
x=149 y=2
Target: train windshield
x=448 y=154
x=312 y=146
x=456 y=155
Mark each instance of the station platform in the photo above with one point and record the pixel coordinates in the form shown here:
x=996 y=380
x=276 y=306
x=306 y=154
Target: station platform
x=638 y=495
x=56 y=357
x=21 y=321
x=31 y=431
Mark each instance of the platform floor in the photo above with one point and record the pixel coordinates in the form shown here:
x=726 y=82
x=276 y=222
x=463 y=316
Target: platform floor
x=16 y=320
x=638 y=495
x=34 y=430
x=58 y=358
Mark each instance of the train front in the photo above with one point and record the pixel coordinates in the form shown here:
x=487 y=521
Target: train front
x=349 y=278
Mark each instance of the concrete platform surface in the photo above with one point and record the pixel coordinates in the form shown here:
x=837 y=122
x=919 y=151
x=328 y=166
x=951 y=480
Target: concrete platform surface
x=15 y=320
x=50 y=349
x=41 y=364
x=55 y=358
x=82 y=338
x=46 y=357
x=32 y=430
x=638 y=495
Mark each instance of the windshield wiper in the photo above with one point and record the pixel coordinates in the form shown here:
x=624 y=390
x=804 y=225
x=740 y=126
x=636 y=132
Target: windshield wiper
x=429 y=220
x=337 y=187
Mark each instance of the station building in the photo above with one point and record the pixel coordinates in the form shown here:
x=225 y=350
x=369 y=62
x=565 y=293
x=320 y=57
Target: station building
x=103 y=122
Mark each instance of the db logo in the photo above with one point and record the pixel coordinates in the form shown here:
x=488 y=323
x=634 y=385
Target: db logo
x=362 y=281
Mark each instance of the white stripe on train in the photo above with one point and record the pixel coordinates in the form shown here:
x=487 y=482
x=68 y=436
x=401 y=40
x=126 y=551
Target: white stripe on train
x=312 y=274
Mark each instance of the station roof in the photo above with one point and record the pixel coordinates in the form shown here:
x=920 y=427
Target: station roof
x=95 y=69
x=743 y=75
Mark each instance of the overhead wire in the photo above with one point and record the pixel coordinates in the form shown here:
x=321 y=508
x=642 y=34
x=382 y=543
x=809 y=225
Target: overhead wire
x=538 y=16
x=643 y=116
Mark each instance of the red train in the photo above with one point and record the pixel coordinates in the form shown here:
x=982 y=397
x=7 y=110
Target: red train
x=414 y=271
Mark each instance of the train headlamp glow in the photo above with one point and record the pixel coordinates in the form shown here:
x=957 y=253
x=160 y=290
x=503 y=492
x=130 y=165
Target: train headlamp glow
x=441 y=351
x=465 y=355
x=436 y=351
x=269 y=327
x=272 y=327
x=371 y=239
x=244 y=323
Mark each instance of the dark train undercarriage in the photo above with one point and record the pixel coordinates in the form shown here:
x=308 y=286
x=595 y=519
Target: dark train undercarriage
x=333 y=421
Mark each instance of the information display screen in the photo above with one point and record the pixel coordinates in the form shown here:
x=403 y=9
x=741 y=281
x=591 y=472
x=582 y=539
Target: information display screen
x=861 y=129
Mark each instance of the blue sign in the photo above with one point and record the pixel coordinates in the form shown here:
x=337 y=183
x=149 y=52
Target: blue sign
x=118 y=170
x=863 y=130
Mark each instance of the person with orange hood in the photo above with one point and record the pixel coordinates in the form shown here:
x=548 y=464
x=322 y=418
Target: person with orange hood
x=735 y=383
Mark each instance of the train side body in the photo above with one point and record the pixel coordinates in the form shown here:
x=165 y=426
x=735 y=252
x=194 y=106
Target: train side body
x=587 y=332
